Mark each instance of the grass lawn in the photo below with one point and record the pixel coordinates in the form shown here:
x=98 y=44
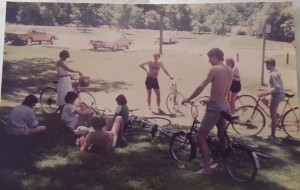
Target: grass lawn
x=52 y=161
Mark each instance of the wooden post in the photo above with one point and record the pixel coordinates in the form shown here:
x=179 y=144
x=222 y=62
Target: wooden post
x=287 y=58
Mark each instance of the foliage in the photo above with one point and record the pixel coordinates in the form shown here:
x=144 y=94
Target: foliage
x=218 y=18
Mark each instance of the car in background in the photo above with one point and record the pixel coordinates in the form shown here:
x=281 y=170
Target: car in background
x=28 y=36
x=111 y=41
x=168 y=40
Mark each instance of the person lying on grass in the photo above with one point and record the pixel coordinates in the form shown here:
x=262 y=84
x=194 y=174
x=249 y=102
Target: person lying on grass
x=73 y=116
x=101 y=138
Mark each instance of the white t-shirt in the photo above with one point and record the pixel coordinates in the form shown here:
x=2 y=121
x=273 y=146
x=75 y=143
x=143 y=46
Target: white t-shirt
x=68 y=116
x=21 y=118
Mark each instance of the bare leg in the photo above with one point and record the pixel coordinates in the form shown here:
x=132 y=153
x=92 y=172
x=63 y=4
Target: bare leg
x=149 y=97
x=117 y=127
x=157 y=92
x=232 y=102
x=201 y=138
x=36 y=130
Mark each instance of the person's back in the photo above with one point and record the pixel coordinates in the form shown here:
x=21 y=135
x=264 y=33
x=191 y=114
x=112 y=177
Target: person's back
x=221 y=82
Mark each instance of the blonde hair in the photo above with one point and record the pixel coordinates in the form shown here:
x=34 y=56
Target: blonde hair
x=230 y=60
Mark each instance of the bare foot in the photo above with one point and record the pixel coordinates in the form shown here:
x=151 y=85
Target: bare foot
x=181 y=166
x=203 y=172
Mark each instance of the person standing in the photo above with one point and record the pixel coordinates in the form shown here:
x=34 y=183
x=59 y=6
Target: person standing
x=220 y=76
x=64 y=79
x=22 y=120
x=277 y=93
x=152 y=79
x=235 y=85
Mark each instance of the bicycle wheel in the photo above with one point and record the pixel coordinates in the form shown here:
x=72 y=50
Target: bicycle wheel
x=241 y=164
x=181 y=148
x=290 y=123
x=251 y=121
x=198 y=107
x=244 y=100
x=174 y=104
x=48 y=100
x=160 y=121
x=87 y=98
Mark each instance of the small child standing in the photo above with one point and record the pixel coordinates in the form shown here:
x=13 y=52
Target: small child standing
x=73 y=116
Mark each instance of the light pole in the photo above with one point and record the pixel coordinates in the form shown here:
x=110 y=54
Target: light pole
x=162 y=12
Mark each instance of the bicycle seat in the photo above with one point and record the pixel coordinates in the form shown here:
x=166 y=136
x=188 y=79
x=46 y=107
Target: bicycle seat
x=55 y=82
x=228 y=116
x=288 y=95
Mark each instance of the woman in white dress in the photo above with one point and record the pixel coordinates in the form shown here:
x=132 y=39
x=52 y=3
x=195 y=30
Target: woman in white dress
x=64 y=79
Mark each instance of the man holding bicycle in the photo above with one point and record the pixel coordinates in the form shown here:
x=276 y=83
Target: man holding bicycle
x=277 y=94
x=220 y=76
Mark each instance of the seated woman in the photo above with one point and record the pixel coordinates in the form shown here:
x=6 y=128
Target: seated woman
x=22 y=120
x=73 y=116
x=122 y=110
x=101 y=138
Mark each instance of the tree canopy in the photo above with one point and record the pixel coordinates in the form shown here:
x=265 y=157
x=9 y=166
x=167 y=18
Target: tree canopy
x=200 y=18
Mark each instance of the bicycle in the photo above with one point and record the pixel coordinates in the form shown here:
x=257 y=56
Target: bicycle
x=49 y=94
x=198 y=105
x=174 y=100
x=240 y=158
x=157 y=125
x=252 y=119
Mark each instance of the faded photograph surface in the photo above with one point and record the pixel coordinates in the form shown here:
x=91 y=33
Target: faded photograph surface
x=139 y=77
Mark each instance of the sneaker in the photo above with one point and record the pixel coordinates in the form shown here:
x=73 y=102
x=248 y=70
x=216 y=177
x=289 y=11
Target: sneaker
x=160 y=110
x=150 y=109
x=123 y=142
x=271 y=139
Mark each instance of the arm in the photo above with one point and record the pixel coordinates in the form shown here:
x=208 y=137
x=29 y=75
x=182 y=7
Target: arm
x=143 y=66
x=200 y=88
x=84 y=112
x=63 y=65
x=86 y=143
x=166 y=72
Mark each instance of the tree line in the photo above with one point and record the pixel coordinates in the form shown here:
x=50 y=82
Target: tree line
x=197 y=18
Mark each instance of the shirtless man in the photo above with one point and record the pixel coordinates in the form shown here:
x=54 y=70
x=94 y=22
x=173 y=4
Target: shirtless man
x=152 y=81
x=102 y=138
x=220 y=76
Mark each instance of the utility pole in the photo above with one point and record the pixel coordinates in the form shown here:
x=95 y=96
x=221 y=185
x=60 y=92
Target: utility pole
x=266 y=30
x=162 y=11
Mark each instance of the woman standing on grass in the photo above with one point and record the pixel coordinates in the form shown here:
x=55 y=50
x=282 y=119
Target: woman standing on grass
x=235 y=85
x=64 y=79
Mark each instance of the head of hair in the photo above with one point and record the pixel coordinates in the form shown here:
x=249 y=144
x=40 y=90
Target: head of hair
x=270 y=61
x=121 y=99
x=156 y=55
x=231 y=61
x=98 y=122
x=30 y=100
x=216 y=52
x=64 y=54
x=70 y=96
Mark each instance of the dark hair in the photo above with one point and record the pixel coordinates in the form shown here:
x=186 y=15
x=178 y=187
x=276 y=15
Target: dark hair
x=270 y=61
x=64 y=53
x=216 y=52
x=98 y=122
x=30 y=100
x=121 y=100
x=70 y=96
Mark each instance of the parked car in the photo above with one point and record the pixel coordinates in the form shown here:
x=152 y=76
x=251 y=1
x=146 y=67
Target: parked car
x=168 y=40
x=21 y=35
x=112 y=41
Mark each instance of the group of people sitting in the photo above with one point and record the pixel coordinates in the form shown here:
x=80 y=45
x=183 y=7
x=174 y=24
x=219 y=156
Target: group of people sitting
x=104 y=132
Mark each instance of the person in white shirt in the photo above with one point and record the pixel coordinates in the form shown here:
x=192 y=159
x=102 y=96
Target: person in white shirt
x=22 y=120
x=73 y=116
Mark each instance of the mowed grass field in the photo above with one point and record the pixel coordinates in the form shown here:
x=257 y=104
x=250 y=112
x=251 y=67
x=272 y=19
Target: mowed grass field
x=52 y=161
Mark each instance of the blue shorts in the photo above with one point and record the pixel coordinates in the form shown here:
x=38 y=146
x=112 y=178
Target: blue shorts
x=151 y=82
x=212 y=115
x=276 y=98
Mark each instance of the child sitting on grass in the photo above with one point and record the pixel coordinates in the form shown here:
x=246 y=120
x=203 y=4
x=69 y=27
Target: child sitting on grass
x=73 y=116
x=101 y=138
